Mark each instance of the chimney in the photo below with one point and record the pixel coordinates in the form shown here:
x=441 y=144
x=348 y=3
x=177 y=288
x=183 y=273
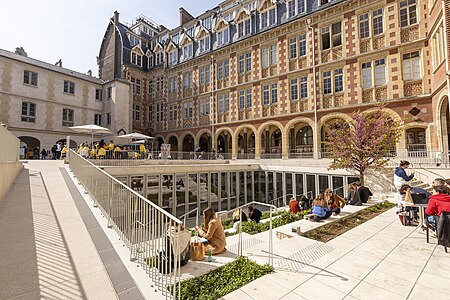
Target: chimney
x=116 y=18
x=21 y=51
x=185 y=16
x=59 y=63
x=89 y=72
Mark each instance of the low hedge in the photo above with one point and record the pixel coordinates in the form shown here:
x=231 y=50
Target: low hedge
x=223 y=280
x=283 y=219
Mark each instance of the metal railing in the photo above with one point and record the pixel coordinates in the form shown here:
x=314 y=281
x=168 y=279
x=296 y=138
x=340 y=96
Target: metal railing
x=150 y=233
x=183 y=217
x=240 y=244
x=421 y=159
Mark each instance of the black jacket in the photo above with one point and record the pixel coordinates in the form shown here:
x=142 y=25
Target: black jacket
x=364 y=194
x=443 y=229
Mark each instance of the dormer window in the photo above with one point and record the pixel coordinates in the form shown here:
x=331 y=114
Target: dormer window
x=173 y=57
x=268 y=17
x=204 y=44
x=244 y=28
x=133 y=40
x=188 y=51
x=159 y=58
x=296 y=7
x=223 y=37
x=136 y=59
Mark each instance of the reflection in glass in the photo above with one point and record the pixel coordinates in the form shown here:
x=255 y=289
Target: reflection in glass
x=338 y=185
x=192 y=191
x=233 y=203
x=153 y=188
x=167 y=192
x=299 y=190
x=270 y=195
x=204 y=191
x=241 y=188
x=311 y=185
x=214 y=191
x=224 y=187
x=180 y=191
x=249 y=187
x=323 y=183
x=289 y=186
x=279 y=189
x=137 y=184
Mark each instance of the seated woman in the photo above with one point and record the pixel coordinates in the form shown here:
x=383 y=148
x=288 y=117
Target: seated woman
x=213 y=232
x=294 y=207
x=320 y=209
x=335 y=202
x=237 y=218
x=254 y=214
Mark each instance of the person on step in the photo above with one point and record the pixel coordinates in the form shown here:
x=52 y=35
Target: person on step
x=254 y=214
x=350 y=193
x=294 y=207
x=320 y=209
x=400 y=176
x=334 y=201
x=213 y=232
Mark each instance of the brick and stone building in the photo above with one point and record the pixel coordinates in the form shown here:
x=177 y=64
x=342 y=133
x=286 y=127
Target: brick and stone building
x=259 y=79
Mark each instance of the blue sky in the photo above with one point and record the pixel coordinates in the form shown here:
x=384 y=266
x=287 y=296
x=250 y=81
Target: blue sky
x=50 y=30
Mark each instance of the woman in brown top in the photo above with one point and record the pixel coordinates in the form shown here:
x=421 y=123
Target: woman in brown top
x=213 y=232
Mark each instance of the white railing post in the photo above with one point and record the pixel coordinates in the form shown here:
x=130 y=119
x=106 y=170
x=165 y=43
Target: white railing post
x=270 y=240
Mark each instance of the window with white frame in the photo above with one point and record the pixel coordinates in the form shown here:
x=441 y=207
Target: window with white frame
x=136 y=112
x=223 y=37
x=98 y=94
x=28 y=112
x=293 y=47
x=302 y=45
x=159 y=112
x=220 y=103
x=303 y=87
x=226 y=103
x=150 y=87
x=205 y=106
x=136 y=59
x=220 y=70
x=188 y=109
x=173 y=85
x=270 y=94
x=269 y=56
x=173 y=113
x=411 y=66
x=173 y=57
x=207 y=22
x=244 y=27
x=69 y=87
x=296 y=7
x=67 y=117
x=242 y=99
x=337 y=80
x=377 y=23
x=294 y=89
x=205 y=74
x=30 y=77
x=204 y=44
x=373 y=70
x=188 y=51
x=136 y=85
x=150 y=115
x=408 y=13
x=98 y=119
x=187 y=80
x=336 y=36
x=245 y=63
x=268 y=18
x=437 y=46
x=245 y=99
x=159 y=58
x=133 y=40
x=248 y=96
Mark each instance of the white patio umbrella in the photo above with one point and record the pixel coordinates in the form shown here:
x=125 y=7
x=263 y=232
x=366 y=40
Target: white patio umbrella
x=135 y=136
x=90 y=129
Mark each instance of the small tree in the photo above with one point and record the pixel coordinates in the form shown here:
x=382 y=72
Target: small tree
x=363 y=145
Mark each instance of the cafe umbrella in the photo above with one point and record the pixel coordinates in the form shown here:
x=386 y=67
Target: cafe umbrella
x=92 y=129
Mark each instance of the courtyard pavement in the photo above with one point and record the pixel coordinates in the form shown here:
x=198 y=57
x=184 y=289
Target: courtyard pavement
x=55 y=245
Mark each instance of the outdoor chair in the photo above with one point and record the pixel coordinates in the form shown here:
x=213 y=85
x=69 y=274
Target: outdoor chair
x=442 y=229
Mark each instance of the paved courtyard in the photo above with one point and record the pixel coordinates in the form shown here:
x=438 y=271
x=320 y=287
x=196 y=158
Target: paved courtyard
x=55 y=245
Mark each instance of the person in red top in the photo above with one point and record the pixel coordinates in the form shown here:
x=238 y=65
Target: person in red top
x=439 y=201
x=294 y=207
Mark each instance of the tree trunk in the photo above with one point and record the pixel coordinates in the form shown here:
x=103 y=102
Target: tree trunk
x=361 y=177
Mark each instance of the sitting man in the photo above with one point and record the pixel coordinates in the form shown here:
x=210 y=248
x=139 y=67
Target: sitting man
x=294 y=207
x=254 y=214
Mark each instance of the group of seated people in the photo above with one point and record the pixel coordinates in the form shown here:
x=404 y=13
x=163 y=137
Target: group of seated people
x=102 y=150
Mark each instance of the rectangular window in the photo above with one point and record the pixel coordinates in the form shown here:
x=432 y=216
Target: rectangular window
x=67 y=118
x=302 y=45
x=408 y=13
x=264 y=17
x=326 y=38
x=226 y=69
x=338 y=81
x=266 y=95
x=137 y=113
x=326 y=82
x=136 y=59
x=69 y=87
x=377 y=21
x=247 y=26
x=272 y=16
x=301 y=6
x=109 y=92
x=30 y=78
x=249 y=98
x=273 y=55
x=227 y=102
x=411 y=66
x=241 y=99
x=291 y=8
x=150 y=115
x=380 y=72
x=220 y=104
x=220 y=70
x=274 y=93
x=241 y=64
x=207 y=74
x=293 y=47
x=28 y=112
x=336 y=30
x=248 y=62
x=304 y=87
x=136 y=85
x=98 y=119
x=98 y=94
x=364 y=30
x=108 y=119
x=202 y=76
x=265 y=57
x=294 y=89
x=367 y=75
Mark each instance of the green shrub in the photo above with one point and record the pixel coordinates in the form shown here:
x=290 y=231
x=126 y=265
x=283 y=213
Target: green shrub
x=222 y=281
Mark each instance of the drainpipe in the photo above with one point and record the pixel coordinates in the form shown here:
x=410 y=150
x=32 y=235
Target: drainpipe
x=213 y=103
x=316 y=142
x=447 y=72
